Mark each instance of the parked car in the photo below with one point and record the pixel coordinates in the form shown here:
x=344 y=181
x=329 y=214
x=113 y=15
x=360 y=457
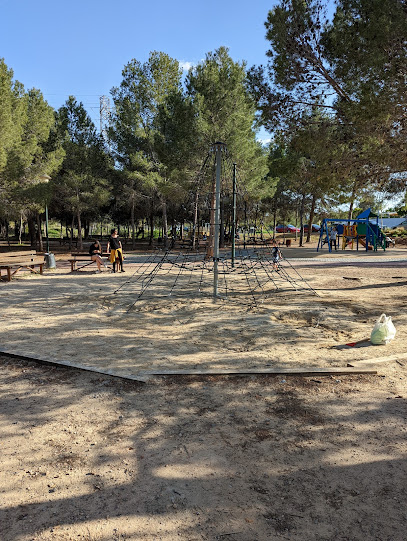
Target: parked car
x=287 y=229
x=315 y=227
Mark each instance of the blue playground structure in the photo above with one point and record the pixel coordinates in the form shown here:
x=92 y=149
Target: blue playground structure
x=359 y=230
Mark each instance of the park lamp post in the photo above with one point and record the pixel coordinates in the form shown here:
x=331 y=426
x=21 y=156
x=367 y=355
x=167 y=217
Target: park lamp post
x=49 y=258
x=44 y=180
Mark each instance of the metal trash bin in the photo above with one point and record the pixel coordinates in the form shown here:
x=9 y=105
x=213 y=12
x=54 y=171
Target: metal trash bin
x=50 y=262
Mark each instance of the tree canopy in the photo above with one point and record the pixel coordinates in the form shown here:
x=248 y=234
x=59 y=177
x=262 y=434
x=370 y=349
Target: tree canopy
x=332 y=96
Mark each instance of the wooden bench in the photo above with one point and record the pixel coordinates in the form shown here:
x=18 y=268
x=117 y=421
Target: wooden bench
x=258 y=240
x=187 y=243
x=79 y=257
x=20 y=260
x=63 y=241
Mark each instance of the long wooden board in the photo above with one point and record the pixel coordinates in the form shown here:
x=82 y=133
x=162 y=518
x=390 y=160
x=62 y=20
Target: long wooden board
x=306 y=371
x=379 y=360
x=76 y=366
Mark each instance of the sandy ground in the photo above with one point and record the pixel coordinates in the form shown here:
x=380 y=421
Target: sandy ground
x=88 y=456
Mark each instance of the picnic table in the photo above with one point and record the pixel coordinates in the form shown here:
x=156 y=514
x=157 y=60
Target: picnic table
x=12 y=262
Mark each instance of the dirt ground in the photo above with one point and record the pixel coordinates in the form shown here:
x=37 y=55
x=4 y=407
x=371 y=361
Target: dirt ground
x=85 y=455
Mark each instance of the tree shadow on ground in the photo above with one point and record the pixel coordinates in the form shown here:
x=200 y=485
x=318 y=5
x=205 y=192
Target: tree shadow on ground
x=200 y=458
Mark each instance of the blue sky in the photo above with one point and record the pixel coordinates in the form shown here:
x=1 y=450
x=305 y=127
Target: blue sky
x=80 y=47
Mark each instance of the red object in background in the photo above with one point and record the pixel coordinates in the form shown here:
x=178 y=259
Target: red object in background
x=287 y=229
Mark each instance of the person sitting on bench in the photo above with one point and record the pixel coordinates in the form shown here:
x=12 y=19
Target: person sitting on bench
x=95 y=251
x=115 y=247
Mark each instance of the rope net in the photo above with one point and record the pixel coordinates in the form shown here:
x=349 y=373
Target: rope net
x=247 y=276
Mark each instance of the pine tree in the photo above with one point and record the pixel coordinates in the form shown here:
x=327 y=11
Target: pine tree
x=82 y=184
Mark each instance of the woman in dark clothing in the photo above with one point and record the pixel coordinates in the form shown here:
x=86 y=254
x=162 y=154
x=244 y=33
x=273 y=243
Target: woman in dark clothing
x=116 y=251
x=95 y=252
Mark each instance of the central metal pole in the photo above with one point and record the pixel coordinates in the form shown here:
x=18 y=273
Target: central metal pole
x=234 y=217
x=218 y=147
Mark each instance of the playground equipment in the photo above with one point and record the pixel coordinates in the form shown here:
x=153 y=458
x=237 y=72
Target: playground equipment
x=360 y=230
x=246 y=275
x=253 y=279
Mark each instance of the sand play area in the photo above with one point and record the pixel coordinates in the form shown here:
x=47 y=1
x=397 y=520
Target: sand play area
x=206 y=434
x=160 y=315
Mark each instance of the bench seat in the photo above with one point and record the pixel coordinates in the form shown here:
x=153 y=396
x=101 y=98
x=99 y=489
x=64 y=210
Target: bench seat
x=79 y=257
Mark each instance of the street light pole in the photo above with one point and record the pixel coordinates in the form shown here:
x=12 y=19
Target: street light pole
x=45 y=179
x=49 y=258
x=46 y=226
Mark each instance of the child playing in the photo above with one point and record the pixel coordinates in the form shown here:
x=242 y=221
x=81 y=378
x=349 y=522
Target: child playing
x=275 y=257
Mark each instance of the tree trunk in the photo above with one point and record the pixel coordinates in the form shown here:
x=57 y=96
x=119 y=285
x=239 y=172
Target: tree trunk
x=80 y=243
x=311 y=218
x=194 y=227
x=302 y=219
x=296 y=219
x=31 y=232
x=151 y=227
x=133 y=225
x=352 y=200
x=165 y=223
x=71 y=235
x=274 y=223
x=39 y=234
x=222 y=227
x=20 y=230
x=7 y=233
x=210 y=244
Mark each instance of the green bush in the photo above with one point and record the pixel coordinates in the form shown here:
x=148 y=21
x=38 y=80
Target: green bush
x=399 y=232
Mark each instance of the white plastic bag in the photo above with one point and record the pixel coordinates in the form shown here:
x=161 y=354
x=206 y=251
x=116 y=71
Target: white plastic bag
x=383 y=332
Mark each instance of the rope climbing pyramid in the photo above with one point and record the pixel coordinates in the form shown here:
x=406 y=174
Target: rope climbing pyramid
x=251 y=279
x=241 y=273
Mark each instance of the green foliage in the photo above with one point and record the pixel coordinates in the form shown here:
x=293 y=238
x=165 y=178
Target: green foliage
x=353 y=67
x=333 y=93
x=26 y=152
x=12 y=114
x=143 y=90
x=81 y=187
x=227 y=114
x=366 y=45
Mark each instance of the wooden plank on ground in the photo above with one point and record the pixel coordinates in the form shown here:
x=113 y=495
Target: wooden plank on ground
x=77 y=366
x=306 y=371
x=379 y=360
